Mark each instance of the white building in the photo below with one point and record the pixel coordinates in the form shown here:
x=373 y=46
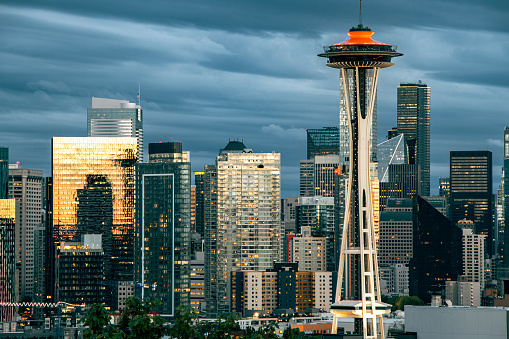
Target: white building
x=310 y=252
x=431 y=322
x=473 y=257
x=248 y=214
x=463 y=293
x=25 y=185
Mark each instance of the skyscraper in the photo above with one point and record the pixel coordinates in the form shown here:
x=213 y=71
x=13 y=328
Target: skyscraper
x=505 y=188
x=316 y=175
x=414 y=123
x=248 y=216
x=93 y=188
x=199 y=181
x=25 y=185
x=4 y=172
x=322 y=141
x=116 y=118
x=9 y=290
x=163 y=227
x=437 y=250
x=471 y=192
x=390 y=152
x=403 y=182
x=359 y=59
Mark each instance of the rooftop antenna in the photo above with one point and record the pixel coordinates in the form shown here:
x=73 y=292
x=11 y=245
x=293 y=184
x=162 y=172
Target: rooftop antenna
x=360 y=13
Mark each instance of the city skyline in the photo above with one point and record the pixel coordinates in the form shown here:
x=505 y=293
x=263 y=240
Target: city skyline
x=209 y=74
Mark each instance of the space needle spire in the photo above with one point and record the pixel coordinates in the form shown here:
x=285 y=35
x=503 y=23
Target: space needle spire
x=359 y=59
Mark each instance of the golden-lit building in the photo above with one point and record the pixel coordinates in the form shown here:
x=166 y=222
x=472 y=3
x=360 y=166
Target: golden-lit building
x=9 y=287
x=93 y=193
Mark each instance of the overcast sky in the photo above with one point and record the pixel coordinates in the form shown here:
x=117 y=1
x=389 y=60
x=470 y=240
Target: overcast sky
x=214 y=70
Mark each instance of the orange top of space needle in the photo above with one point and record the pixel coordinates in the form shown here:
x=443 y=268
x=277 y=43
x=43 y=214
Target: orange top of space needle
x=360 y=37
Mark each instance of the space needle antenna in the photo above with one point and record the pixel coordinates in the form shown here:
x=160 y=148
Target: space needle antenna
x=360 y=13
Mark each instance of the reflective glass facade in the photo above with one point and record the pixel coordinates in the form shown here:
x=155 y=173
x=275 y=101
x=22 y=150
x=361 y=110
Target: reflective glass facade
x=163 y=228
x=322 y=141
x=392 y=151
x=93 y=192
x=414 y=123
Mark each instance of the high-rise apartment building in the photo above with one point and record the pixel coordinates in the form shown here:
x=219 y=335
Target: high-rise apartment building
x=473 y=257
x=116 y=118
x=210 y=237
x=93 y=193
x=414 y=123
x=4 y=172
x=317 y=213
x=199 y=182
x=25 y=185
x=309 y=251
x=163 y=227
x=471 y=192
x=505 y=200
x=9 y=287
x=81 y=271
x=248 y=216
x=322 y=141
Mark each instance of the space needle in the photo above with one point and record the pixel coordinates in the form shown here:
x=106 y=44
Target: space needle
x=359 y=60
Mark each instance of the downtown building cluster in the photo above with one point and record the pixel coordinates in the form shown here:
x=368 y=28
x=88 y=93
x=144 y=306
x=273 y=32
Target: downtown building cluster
x=106 y=225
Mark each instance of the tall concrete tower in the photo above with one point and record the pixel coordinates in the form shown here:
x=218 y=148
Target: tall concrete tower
x=359 y=60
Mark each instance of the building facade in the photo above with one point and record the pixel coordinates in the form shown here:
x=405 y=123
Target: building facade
x=471 y=192
x=248 y=229
x=4 y=172
x=414 y=122
x=25 y=185
x=322 y=141
x=163 y=227
x=9 y=286
x=93 y=193
x=116 y=118
x=437 y=248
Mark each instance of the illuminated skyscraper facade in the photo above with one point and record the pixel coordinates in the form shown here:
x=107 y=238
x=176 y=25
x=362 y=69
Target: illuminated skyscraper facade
x=9 y=290
x=414 y=123
x=163 y=227
x=248 y=209
x=471 y=192
x=93 y=193
x=359 y=59
x=390 y=152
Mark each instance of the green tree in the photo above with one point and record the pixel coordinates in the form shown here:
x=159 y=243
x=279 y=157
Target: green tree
x=293 y=333
x=97 y=319
x=137 y=321
x=398 y=303
x=185 y=325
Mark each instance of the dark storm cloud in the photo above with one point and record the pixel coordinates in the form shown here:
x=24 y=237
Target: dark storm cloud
x=210 y=71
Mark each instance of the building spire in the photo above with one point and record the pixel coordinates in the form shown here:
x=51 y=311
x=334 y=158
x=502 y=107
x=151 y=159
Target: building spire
x=360 y=13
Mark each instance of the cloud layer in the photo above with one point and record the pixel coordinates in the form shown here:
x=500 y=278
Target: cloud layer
x=210 y=71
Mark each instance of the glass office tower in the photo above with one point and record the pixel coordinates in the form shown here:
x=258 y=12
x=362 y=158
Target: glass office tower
x=414 y=123
x=93 y=192
x=322 y=141
x=163 y=227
